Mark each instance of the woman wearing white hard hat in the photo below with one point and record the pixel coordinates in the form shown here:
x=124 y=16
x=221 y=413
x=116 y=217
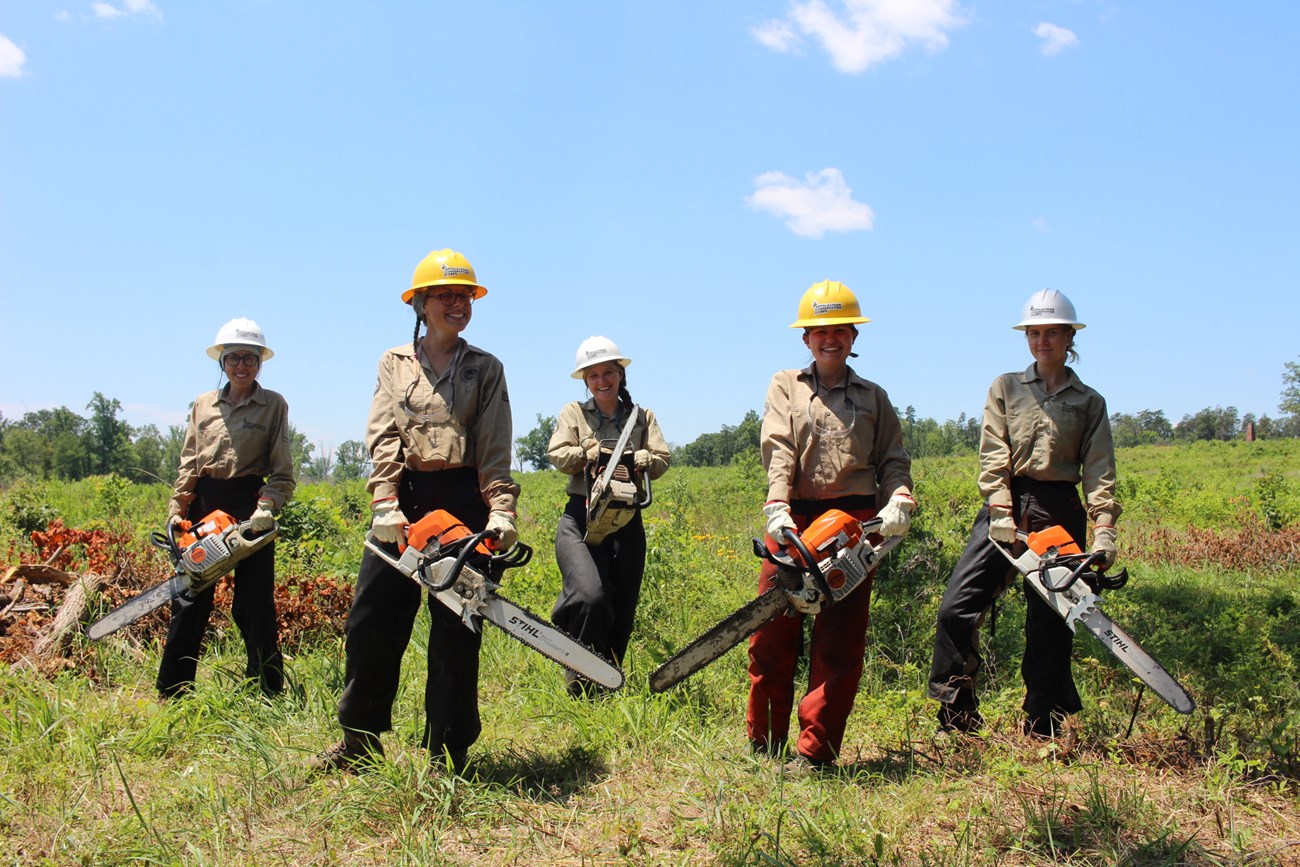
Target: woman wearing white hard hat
x=440 y=438
x=830 y=440
x=235 y=458
x=1045 y=434
x=602 y=577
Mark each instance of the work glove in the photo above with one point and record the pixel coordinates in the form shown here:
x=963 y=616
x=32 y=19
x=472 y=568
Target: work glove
x=502 y=524
x=778 y=518
x=388 y=523
x=591 y=449
x=1002 y=527
x=896 y=517
x=174 y=524
x=262 y=519
x=641 y=458
x=1105 y=539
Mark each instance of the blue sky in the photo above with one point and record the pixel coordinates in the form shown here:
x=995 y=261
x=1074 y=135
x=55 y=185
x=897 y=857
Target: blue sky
x=672 y=175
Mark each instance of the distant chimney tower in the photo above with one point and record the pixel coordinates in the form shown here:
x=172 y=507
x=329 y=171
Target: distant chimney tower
x=1250 y=431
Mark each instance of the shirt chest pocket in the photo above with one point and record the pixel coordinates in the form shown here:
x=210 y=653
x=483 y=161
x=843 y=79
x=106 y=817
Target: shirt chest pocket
x=432 y=433
x=1069 y=422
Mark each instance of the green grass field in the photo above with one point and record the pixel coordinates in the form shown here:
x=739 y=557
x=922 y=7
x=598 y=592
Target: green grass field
x=94 y=769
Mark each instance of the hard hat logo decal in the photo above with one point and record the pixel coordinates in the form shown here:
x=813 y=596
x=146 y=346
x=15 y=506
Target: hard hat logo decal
x=454 y=271
x=1041 y=311
x=826 y=307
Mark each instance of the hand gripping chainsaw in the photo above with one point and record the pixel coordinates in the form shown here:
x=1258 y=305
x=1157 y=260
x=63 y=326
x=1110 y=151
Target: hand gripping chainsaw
x=829 y=561
x=616 y=490
x=462 y=572
x=1059 y=572
x=202 y=552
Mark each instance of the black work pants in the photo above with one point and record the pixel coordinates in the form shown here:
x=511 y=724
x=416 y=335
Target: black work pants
x=252 y=609
x=382 y=617
x=980 y=577
x=601 y=583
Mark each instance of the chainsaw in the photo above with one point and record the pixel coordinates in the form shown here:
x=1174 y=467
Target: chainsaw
x=614 y=494
x=1059 y=571
x=829 y=561
x=201 y=553
x=462 y=572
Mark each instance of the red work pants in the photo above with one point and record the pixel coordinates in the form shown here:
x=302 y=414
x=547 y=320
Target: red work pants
x=836 y=654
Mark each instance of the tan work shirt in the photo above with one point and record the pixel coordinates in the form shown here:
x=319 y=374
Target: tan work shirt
x=1061 y=437
x=820 y=443
x=580 y=421
x=423 y=421
x=225 y=441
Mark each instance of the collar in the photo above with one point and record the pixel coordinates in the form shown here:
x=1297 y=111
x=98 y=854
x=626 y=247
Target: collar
x=1030 y=374
x=809 y=375
x=620 y=413
x=223 y=393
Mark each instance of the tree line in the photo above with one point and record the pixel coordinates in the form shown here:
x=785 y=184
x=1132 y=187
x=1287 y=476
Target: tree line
x=61 y=444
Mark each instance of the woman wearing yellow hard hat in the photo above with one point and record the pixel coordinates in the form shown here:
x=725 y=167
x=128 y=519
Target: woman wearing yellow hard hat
x=440 y=438
x=601 y=566
x=830 y=440
x=1044 y=434
x=235 y=458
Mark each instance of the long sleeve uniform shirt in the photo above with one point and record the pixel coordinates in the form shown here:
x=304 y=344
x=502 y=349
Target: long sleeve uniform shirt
x=820 y=443
x=225 y=441
x=1061 y=437
x=424 y=421
x=581 y=421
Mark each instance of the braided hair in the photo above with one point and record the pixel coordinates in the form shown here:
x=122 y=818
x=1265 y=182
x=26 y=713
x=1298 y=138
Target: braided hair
x=624 y=396
x=417 y=304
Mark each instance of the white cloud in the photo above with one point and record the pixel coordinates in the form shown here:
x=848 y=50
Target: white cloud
x=868 y=32
x=12 y=58
x=128 y=7
x=822 y=203
x=1055 y=39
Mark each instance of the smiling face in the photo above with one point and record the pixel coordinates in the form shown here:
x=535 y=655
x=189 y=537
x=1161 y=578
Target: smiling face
x=1049 y=344
x=830 y=344
x=603 y=380
x=448 y=309
x=241 y=364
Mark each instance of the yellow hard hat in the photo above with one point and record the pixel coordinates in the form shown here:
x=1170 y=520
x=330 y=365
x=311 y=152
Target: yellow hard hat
x=829 y=302
x=443 y=268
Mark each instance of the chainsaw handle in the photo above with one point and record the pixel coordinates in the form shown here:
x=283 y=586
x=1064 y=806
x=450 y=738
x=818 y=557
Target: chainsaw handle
x=809 y=564
x=467 y=546
x=1085 y=560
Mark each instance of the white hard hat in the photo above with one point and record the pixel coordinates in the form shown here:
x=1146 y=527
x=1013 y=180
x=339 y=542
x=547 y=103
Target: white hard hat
x=1048 y=307
x=597 y=350
x=241 y=332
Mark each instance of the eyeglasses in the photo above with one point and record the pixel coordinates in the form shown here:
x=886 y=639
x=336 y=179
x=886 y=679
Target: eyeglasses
x=248 y=359
x=449 y=299
x=832 y=425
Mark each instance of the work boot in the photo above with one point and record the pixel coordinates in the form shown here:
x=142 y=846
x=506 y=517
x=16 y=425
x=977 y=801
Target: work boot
x=802 y=766
x=349 y=755
x=455 y=760
x=963 y=720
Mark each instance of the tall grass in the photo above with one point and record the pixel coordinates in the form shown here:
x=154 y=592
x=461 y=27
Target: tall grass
x=94 y=769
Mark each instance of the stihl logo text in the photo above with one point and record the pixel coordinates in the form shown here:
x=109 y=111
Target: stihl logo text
x=524 y=625
x=1117 y=641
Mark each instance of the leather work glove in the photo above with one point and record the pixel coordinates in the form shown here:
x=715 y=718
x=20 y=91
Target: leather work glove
x=778 y=518
x=641 y=458
x=388 y=523
x=591 y=448
x=1002 y=527
x=262 y=519
x=896 y=517
x=502 y=523
x=1106 y=540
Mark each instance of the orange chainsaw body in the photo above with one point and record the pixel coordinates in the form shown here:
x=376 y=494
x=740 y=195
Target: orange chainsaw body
x=834 y=530
x=439 y=529
x=1056 y=537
